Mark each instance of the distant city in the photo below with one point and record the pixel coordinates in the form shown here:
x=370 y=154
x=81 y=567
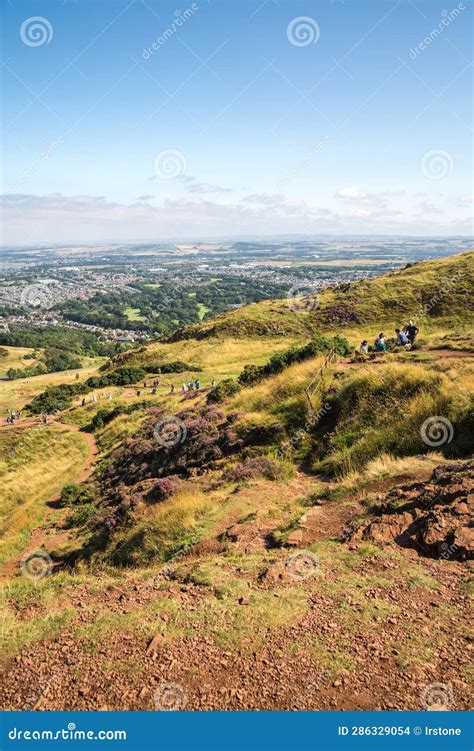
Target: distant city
x=128 y=293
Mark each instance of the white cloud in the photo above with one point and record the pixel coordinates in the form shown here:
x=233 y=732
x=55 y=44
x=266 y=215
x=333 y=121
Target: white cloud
x=352 y=192
x=202 y=188
x=55 y=217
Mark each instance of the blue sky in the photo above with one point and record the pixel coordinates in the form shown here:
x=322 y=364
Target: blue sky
x=133 y=120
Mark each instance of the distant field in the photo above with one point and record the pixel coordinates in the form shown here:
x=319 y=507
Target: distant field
x=15 y=394
x=133 y=314
x=15 y=359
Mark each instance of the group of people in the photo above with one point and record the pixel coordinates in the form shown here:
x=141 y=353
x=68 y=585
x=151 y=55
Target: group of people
x=13 y=415
x=108 y=395
x=404 y=338
x=191 y=386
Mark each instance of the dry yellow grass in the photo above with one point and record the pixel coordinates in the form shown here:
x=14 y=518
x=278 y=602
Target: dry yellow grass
x=15 y=359
x=15 y=394
x=34 y=466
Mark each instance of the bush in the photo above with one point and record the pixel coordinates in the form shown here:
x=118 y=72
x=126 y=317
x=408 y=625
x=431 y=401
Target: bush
x=56 y=398
x=176 y=366
x=223 y=390
x=75 y=495
x=258 y=466
x=319 y=344
x=163 y=489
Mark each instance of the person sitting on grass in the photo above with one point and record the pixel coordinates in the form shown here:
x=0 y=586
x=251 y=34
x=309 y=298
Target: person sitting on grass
x=402 y=339
x=380 y=343
x=411 y=331
x=364 y=347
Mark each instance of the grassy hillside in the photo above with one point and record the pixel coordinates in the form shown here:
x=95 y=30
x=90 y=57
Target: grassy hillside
x=237 y=557
x=430 y=292
x=35 y=462
x=16 y=358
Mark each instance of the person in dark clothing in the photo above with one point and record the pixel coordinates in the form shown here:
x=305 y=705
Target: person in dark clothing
x=411 y=331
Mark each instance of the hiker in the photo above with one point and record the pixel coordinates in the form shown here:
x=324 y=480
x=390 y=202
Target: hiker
x=94 y=398
x=172 y=389
x=190 y=385
x=402 y=339
x=197 y=384
x=214 y=383
x=184 y=388
x=411 y=331
x=380 y=343
x=364 y=347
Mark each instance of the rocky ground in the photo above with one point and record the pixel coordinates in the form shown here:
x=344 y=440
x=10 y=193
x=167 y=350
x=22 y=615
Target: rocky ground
x=342 y=625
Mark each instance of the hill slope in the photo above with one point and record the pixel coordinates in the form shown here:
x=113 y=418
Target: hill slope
x=233 y=548
x=429 y=292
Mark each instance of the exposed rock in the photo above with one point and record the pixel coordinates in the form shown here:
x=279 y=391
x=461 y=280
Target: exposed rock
x=435 y=518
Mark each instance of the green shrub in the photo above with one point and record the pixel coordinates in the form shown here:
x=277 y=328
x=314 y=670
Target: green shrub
x=223 y=390
x=319 y=344
x=75 y=495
